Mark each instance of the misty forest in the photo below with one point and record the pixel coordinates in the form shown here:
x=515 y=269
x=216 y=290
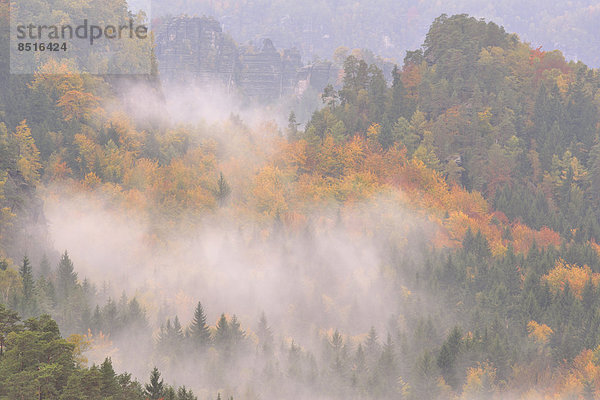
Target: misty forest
x=257 y=224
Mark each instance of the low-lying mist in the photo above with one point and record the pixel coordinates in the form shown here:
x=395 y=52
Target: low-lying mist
x=236 y=265
x=191 y=103
x=330 y=272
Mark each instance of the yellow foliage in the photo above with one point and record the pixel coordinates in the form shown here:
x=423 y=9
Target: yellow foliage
x=82 y=344
x=91 y=180
x=141 y=175
x=10 y=284
x=89 y=153
x=481 y=382
x=540 y=333
x=129 y=138
x=373 y=136
x=574 y=275
x=6 y=215
x=28 y=162
x=585 y=368
x=99 y=347
x=270 y=192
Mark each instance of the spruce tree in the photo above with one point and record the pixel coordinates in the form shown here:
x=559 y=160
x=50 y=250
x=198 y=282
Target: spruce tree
x=222 y=332
x=184 y=394
x=66 y=280
x=372 y=344
x=136 y=316
x=108 y=382
x=45 y=267
x=199 y=332
x=223 y=191
x=265 y=336
x=236 y=333
x=27 y=305
x=292 y=126
x=155 y=389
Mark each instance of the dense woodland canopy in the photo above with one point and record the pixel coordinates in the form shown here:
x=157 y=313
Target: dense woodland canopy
x=490 y=145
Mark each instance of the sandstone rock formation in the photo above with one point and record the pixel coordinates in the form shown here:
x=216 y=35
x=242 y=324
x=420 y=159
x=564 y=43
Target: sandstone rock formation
x=196 y=50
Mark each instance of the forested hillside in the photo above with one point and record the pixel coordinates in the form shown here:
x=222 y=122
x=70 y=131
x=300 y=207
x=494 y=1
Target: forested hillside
x=436 y=237
x=389 y=27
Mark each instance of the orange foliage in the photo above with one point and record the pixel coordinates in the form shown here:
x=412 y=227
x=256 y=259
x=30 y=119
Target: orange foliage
x=523 y=237
x=129 y=138
x=411 y=79
x=78 y=105
x=595 y=246
x=547 y=62
x=536 y=54
x=57 y=169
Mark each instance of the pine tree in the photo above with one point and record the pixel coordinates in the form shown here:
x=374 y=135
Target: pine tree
x=110 y=317
x=162 y=340
x=336 y=342
x=372 y=344
x=222 y=333
x=292 y=126
x=28 y=287
x=96 y=321
x=108 y=383
x=265 y=336
x=448 y=355
x=136 y=315
x=395 y=108
x=45 y=267
x=426 y=373
x=155 y=389
x=170 y=393
x=184 y=394
x=594 y=177
x=386 y=367
x=8 y=323
x=236 y=333
x=360 y=366
x=170 y=337
x=223 y=190
x=177 y=335
x=66 y=280
x=199 y=332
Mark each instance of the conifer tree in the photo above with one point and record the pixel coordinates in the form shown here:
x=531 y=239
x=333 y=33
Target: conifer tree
x=185 y=394
x=28 y=287
x=199 y=332
x=45 y=267
x=66 y=280
x=156 y=388
x=292 y=126
x=265 y=335
x=108 y=383
x=222 y=332
x=223 y=190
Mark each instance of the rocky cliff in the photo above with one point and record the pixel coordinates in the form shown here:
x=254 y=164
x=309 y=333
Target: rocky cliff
x=196 y=50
